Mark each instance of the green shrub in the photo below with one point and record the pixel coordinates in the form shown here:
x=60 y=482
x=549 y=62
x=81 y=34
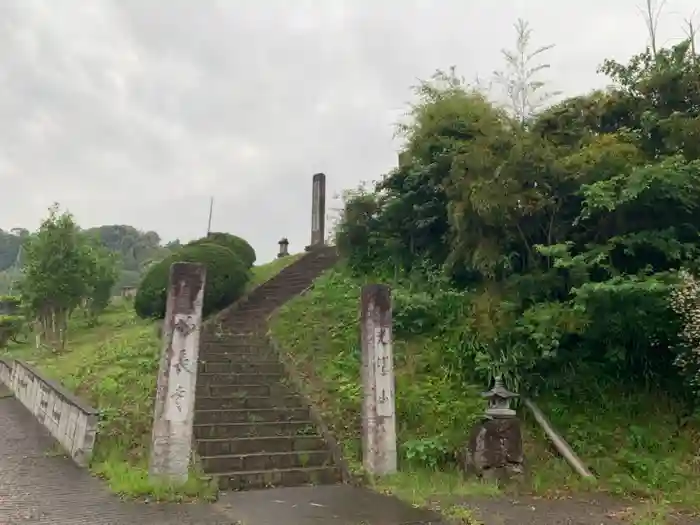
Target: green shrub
x=237 y=245
x=9 y=304
x=226 y=279
x=11 y=327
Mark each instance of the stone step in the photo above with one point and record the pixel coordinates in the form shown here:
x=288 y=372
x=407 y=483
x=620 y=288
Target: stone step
x=266 y=461
x=242 y=430
x=265 y=415
x=221 y=379
x=274 y=297
x=278 y=291
x=248 y=402
x=274 y=390
x=224 y=446
x=234 y=367
x=242 y=323
x=264 y=356
x=233 y=345
x=262 y=479
x=230 y=340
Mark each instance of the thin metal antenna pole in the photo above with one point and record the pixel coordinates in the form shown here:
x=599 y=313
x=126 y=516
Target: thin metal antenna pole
x=211 y=209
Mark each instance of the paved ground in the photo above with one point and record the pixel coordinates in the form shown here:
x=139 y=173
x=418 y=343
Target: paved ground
x=332 y=505
x=37 y=487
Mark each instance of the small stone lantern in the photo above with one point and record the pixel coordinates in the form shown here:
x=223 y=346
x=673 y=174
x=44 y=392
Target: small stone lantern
x=499 y=400
x=495 y=447
x=284 y=248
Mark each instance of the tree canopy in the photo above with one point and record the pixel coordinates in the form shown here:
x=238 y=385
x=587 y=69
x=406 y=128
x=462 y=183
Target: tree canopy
x=567 y=226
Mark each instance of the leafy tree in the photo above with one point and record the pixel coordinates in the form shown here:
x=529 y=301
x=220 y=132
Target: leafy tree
x=57 y=268
x=136 y=248
x=63 y=269
x=104 y=272
x=568 y=232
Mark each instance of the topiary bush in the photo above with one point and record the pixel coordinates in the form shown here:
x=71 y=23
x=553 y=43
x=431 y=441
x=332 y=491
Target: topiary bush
x=237 y=245
x=227 y=276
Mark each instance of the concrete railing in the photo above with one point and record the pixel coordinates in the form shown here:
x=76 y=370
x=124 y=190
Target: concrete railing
x=70 y=420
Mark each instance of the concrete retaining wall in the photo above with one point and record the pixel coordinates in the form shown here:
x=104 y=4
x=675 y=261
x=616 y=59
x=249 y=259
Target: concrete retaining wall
x=72 y=422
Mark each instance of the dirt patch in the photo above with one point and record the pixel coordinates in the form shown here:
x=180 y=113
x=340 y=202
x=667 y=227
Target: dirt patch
x=598 y=510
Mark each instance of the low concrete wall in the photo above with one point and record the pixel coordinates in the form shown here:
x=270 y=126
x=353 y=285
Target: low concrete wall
x=72 y=422
x=5 y=372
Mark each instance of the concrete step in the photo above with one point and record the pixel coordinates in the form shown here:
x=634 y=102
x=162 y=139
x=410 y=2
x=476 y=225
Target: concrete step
x=248 y=402
x=266 y=415
x=262 y=479
x=221 y=379
x=266 y=461
x=259 y=390
x=225 y=446
x=242 y=430
x=230 y=366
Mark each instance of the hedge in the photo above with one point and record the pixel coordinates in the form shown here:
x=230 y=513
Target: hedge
x=237 y=245
x=227 y=276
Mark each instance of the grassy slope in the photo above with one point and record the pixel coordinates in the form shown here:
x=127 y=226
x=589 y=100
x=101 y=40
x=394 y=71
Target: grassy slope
x=267 y=271
x=625 y=438
x=114 y=366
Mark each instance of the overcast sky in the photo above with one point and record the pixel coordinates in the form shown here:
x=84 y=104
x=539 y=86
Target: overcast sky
x=135 y=111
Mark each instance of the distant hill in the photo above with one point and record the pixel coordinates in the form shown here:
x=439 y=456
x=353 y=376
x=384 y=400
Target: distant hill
x=136 y=250
x=10 y=242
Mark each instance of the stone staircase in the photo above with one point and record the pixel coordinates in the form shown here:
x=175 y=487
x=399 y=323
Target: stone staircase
x=251 y=428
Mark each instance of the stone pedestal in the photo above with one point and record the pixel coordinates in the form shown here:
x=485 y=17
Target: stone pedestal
x=171 y=446
x=495 y=450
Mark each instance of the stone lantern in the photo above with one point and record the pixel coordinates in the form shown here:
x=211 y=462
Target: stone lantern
x=284 y=248
x=499 y=400
x=495 y=447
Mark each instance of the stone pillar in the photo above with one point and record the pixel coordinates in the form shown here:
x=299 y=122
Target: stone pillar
x=318 y=211
x=177 y=377
x=378 y=407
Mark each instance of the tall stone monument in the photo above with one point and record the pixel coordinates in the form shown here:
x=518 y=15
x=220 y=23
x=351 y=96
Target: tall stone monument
x=378 y=407
x=318 y=211
x=177 y=377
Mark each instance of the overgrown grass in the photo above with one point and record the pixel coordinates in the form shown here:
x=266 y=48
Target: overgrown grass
x=320 y=332
x=632 y=441
x=113 y=366
x=265 y=272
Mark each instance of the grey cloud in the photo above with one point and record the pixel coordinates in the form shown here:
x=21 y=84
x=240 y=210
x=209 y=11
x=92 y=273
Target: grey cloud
x=135 y=111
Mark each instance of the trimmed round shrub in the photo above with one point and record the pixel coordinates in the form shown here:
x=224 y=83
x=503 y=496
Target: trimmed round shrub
x=237 y=245
x=227 y=276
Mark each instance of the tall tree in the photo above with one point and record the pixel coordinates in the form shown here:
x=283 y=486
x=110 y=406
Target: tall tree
x=58 y=274
x=651 y=11
x=524 y=91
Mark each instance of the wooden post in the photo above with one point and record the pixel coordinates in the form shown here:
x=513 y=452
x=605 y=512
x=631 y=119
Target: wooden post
x=177 y=377
x=378 y=408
